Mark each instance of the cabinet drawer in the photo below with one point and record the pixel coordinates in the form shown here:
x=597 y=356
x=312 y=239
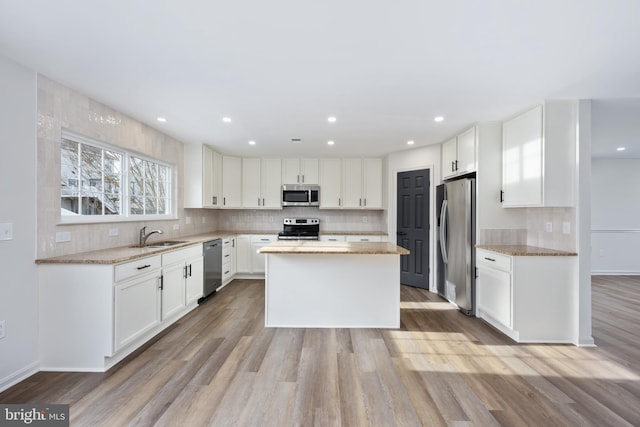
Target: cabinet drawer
x=137 y=267
x=263 y=238
x=332 y=238
x=493 y=260
x=181 y=255
x=226 y=255
x=228 y=242
x=363 y=238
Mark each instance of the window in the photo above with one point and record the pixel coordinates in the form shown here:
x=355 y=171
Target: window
x=100 y=183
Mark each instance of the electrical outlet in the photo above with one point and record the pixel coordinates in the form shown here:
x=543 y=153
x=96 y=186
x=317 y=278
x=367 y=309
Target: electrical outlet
x=113 y=232
x=566 y=227
x=63 y=236
x=2 y=329
x=176 y=226
x=187 y=220
x=365 y=218
x=548 y=227
x=6 y=231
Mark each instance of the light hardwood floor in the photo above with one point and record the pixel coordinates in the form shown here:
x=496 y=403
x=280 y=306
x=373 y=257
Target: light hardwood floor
x=219 y=366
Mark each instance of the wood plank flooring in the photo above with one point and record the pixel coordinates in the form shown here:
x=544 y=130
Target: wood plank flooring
x=219 y=366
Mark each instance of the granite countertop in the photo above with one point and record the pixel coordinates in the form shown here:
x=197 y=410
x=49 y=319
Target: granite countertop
x=316 y=247
x=128 y=253
x=524 y=250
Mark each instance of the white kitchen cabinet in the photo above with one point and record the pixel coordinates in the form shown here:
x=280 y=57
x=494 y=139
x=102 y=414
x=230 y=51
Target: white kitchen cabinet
x=182 y=284
x=228 y=259
x=528 y=298
x=459 y=154
x=202 y=176
x=539 y=156
x=364 y=238
x=231 y=182
x=362 y=183
x=261 y=183
x=332 y=238
x=330 y=183
x=137 y=306
x=257 y=260
x=90 y=325
x=249 y=261
x=243 y=254
x=300 y=171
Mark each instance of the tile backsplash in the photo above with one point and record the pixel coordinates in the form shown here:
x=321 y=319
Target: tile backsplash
x=62 y=108
x=330 y=220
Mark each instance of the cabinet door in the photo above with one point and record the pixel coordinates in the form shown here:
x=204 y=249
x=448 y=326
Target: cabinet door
x=291 y=171
x=493 y=289
x=216 y=176
x=258 y=260
x=271 y=184
x=251 y=197
x=372 y=184
x=309 y=169
x=522 y=159
x=243 y=254
x=467 y=151
x=231 y=182
x=173 y=289
x=194 y=280
x=207 y=177
x=352 y=183
x=137 y=308
x=330 y=184
x=449 y=157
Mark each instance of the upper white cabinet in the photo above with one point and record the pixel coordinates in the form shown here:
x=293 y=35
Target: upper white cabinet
x=203 y=177
x=538 y=156
x=362 y=183
x=261 y=183
x=231 y=182
x=300 y=171
x=330 y=183
x=459 y=154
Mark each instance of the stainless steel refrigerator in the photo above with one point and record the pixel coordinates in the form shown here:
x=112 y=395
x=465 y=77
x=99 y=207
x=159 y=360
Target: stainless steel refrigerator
x=456 y=239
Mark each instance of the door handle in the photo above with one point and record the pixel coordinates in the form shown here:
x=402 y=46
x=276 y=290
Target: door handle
x=443 y=226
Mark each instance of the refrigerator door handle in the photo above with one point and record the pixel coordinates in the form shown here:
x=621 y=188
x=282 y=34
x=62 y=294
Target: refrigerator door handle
x=443 y=227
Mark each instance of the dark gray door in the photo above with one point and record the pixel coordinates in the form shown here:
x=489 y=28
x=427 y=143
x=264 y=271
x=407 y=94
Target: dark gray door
x=413 y=227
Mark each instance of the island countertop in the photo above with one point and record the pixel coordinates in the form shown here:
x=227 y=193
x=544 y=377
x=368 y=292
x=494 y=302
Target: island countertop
x=317 y=247
x=525 y=250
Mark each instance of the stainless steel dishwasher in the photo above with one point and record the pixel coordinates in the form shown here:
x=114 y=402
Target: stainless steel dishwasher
x=212 y=251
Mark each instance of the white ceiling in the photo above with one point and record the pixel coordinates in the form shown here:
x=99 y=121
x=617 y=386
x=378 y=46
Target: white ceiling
x=279 y=68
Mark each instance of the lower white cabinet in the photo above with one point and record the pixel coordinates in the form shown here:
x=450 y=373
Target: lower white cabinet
x=333 y=238
x=528 y=298
x=94 y=315
x=363 y=238
x=229 y=250
x=137 y=308
x=249 y=261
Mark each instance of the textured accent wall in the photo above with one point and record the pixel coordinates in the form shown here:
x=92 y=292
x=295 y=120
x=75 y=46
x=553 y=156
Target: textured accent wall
x=62 y=108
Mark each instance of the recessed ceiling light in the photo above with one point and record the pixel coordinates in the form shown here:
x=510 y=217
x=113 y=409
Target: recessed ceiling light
x=226 y=119
x=621 y=148
x=331 y=119
x=252 y=143
x=330 y=142
x=438 y=119
x=162 y=119
x=411 y=142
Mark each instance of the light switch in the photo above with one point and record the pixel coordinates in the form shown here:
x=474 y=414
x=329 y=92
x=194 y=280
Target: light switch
x=6 y=231
x=548 y=227
x=566 y=227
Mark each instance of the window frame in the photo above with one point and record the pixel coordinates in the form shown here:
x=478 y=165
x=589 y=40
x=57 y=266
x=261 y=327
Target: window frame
x=125 y=214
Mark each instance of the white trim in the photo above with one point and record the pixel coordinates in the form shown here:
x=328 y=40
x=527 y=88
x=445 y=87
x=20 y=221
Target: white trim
x=615 y=272
x=19 y=375
x=615 y=230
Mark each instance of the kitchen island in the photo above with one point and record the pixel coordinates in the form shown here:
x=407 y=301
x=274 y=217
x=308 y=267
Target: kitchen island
x=311 y=284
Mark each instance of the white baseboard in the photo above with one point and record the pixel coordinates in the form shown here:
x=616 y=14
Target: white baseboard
x=614 y=273
x=586 y=341
x=16 y=377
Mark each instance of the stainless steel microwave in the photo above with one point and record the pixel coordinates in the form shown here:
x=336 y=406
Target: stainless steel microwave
x=300 y=195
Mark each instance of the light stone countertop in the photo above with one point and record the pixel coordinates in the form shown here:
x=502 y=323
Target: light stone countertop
x=129 y=253
x=524 y=250
x=348 y=248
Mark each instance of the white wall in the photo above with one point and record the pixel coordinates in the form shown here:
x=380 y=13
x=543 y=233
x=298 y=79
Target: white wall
x=415 y=159
x=18 y=272
x=615 y=216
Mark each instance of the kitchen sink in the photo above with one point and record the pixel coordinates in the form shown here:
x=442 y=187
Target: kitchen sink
x=164 y=244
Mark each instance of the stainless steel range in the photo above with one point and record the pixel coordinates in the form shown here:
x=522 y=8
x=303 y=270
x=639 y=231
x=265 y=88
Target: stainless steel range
x=300 y=229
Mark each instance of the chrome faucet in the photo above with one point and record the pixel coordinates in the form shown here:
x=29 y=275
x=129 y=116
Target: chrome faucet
x=144 y=237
